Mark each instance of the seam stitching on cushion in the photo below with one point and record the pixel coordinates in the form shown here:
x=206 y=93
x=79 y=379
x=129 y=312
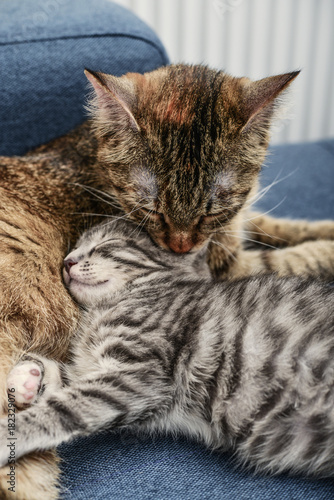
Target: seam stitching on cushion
x=120 y=35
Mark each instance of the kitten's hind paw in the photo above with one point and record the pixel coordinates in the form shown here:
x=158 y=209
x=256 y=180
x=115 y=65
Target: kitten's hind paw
x=24 y=381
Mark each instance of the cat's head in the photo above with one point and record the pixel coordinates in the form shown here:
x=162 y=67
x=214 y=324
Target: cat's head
x=109 y=256
x=181 y=148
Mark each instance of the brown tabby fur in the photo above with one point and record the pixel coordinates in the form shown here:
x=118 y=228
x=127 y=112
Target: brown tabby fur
x=171 y=147
x=37 y=225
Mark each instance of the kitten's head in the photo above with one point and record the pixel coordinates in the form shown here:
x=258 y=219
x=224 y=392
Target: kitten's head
x=109 y=256
x=181 y=147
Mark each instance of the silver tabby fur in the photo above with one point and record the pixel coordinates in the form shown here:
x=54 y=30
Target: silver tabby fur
x=247 y=365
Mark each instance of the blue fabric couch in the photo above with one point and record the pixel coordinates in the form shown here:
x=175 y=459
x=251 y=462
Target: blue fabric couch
x=44 y=47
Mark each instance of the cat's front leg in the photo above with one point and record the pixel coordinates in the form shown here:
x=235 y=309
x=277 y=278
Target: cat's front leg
x=18 y=438
x=31 y=377
x=280 y=232
x=24 y=382
x=312 y=259
x=223 y=253
x=97 y=402
x=30 y=384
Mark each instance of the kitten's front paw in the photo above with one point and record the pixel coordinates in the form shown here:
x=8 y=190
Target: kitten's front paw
x=24 y=382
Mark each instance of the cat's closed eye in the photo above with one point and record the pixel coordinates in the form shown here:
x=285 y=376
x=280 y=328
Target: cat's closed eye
x=211 y=217
x=153 y=214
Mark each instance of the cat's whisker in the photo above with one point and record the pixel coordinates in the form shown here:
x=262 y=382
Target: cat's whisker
x=91 y=191
x=139 y=208
x=126 y=216
x=91 y=214
x=241 y=235
x=262 y=192
x=143 y=221
x=95 y=190
x=262 y=232
x=268 y=211
x=243 y=238
x=113 y=217
x=227 y=250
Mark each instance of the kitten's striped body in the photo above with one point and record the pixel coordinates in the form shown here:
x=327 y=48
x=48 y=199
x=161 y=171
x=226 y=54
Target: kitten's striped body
x=247 y=364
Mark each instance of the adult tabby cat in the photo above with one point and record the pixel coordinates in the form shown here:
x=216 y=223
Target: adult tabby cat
x=246 y=365
x=178 y=150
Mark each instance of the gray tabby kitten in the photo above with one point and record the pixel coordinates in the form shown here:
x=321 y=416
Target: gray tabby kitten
x=247 y=365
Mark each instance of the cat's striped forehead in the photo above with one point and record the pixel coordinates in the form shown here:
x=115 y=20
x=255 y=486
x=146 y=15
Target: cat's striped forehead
x=177 y=100
x=176 y=110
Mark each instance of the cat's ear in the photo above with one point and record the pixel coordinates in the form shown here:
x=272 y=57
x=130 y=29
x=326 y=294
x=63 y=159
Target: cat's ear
x=260 y=99
x=114 y=98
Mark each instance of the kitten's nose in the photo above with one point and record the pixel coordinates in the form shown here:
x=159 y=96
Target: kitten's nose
x=68 y=263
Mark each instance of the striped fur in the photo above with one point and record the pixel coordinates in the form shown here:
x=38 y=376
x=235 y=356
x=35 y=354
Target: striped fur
x=246 y=365
x=178 y=150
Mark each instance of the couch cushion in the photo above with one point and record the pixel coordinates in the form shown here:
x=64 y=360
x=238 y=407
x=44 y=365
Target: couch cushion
x=125 y=467
x=44 y=48
x=302 y=178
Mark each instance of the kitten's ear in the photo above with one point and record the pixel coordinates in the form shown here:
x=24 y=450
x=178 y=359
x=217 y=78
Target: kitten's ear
x=114 y=99
x=260 y=99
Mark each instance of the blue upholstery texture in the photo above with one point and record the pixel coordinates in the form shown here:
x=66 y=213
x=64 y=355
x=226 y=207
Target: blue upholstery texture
x=44 y=48
x=302 y=179
x=124 y=466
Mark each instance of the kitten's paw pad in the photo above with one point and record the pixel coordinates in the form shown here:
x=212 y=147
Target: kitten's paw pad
x=25 y=378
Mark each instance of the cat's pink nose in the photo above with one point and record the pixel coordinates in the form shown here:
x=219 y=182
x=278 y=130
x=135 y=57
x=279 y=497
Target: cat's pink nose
x=68 y=263
x=180 y=245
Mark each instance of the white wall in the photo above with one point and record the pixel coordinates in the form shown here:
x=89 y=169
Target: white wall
x=257 y=38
